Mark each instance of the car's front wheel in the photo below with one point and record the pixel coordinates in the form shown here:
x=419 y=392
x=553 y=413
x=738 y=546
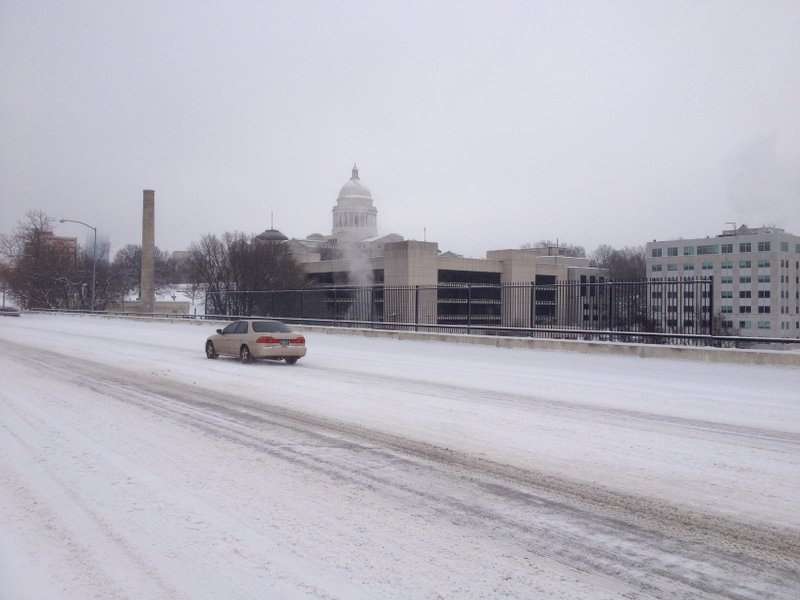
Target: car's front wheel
x=244 y=355
x=211 y=352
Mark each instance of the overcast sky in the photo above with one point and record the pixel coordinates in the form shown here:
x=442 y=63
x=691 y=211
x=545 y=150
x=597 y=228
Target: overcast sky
x=479 y=125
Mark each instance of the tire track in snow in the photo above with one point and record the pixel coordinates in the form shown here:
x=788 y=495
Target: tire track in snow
x=456 y=392
x=151 y=505
x=651 y=547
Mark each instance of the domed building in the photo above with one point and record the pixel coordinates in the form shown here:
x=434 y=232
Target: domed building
x=355 y=255
x=354 y=216
x=354 y=232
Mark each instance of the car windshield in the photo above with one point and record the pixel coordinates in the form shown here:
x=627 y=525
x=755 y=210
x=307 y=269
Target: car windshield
x=270 y=327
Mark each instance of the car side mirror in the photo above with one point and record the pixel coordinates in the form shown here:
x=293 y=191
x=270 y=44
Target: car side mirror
x=219 y=330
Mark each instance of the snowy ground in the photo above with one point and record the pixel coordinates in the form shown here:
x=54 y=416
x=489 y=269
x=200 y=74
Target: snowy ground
x=133 y=467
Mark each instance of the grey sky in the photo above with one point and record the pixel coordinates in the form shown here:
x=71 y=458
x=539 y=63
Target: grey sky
x=488 y=124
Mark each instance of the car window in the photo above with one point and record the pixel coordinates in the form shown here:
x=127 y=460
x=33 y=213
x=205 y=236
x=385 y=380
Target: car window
x=241 y=327
x=270 y=327
x=231 y=328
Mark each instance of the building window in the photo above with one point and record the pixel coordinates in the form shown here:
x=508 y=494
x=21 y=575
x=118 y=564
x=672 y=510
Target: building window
x=672 y=267
x=745 y=294
x=764 y=310
x=727 y=294
x=727 y=309
x=708 y=249
x=764 y=263
x=784 y=246
x=763 y=279
x=726 y=279
x=764 y=325
x=727 y=264
x=707 y=266
x=672 y=251
x=763 y=246
x=656 y=268
x=764 y=293
x=745 y=247
x=688 y=250
x=656 y=253
x=745 y=325
x=727 y=248
x=745 y=264
x=745 y=308
x=688 y=266
x=745 y=279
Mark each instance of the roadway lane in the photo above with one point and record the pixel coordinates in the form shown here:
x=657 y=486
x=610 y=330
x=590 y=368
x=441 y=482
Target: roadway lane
x=133 y=467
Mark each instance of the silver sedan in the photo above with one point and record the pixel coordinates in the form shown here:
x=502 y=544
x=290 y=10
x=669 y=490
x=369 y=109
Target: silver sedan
x=250 y=339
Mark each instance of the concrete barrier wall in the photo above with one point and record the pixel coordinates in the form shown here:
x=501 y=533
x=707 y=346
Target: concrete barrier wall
x=716 y=355
x=720 y=355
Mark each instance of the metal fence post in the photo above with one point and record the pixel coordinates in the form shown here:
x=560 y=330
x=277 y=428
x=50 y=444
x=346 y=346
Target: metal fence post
x=469 y=308
x=416 y=307
x=711 y=305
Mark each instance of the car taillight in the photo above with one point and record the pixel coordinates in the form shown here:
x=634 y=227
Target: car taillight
x=266 y=339
x=298 y=340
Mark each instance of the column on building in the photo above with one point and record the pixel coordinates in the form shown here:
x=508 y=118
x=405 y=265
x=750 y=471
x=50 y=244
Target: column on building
x=519 y=267
x=411 y=265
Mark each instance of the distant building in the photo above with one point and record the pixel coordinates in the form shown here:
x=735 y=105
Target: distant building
x=355 y=254
x=756 y=279
x=67 y=247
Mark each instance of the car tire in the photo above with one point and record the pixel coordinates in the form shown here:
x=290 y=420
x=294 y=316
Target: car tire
x=291 y=360
x=210 y=350
x=245 y=355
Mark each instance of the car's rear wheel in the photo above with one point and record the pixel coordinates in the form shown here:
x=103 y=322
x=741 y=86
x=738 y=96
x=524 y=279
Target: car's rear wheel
x=244 y=355
x=211 y=352
x=291 y=360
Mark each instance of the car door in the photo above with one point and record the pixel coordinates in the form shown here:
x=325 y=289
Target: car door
x=227 y=343
x=239 y=336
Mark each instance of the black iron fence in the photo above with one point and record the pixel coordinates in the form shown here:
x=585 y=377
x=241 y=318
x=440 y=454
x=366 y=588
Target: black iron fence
x=654 y=311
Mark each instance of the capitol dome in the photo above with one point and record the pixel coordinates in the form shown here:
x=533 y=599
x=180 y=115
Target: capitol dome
x=354 y=216
x=354 y=188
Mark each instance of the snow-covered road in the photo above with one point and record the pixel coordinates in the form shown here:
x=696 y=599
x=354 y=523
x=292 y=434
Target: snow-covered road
x=133 y=467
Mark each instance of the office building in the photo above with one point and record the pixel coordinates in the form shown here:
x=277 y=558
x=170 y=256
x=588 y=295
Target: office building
x=756 y=275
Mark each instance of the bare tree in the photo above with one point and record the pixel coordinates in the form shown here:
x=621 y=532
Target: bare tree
x=39 y=272
x=231 y=267
x=127 y=269
x=626 y=264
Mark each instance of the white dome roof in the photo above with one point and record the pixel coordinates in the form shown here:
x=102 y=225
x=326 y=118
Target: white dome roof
x=354 y=188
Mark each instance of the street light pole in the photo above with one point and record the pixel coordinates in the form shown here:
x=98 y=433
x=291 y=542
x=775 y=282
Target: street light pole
x=94 y=252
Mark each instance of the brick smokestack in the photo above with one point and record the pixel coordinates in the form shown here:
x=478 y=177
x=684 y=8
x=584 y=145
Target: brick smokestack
x=148 y=251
